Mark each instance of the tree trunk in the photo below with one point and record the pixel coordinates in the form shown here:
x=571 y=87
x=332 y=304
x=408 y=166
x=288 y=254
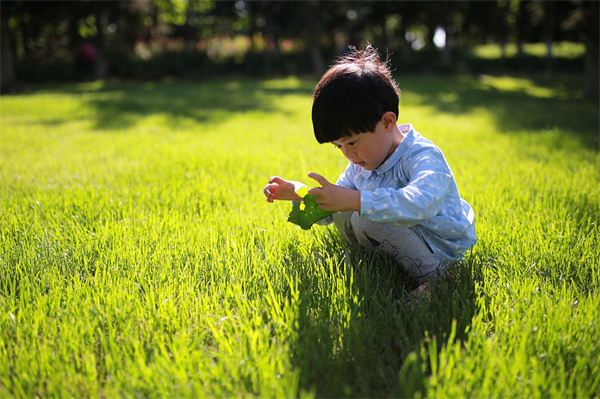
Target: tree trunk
x=270 y=34
x=313 y=22
x=520 y=27
x=503 y=29
x=8 y=78
x=591 y=83
x=101 y=65
x=550 y=28
x=448 y=28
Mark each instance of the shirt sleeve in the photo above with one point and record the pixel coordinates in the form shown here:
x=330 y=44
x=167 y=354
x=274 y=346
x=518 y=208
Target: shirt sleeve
x=429 y=179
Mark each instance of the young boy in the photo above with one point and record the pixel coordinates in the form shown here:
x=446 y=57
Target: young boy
x=398 y=194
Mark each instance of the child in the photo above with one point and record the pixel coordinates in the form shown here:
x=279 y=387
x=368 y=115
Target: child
x=398 y=194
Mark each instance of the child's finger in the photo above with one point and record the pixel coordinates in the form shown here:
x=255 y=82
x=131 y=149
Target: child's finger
x=320 y=179
x=276 y=179
x=267 y=192
x=316 y=191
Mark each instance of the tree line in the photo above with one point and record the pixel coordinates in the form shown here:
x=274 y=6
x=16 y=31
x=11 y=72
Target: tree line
x=62 y=40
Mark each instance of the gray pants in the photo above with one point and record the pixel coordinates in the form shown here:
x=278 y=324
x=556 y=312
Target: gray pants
x=404 y=244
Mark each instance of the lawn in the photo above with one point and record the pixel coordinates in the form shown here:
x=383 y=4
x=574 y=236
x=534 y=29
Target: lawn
x=138 y=257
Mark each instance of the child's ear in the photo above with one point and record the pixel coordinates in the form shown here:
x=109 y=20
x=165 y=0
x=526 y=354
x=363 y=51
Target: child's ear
x=389 y=120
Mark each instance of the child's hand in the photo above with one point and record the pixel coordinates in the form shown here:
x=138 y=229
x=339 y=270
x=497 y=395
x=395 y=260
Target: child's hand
x=281 y=189
x=334 y=198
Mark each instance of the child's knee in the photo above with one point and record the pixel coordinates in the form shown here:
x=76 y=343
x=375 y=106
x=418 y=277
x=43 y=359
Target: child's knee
x=343 y=222
x=353 y=228
x=369 y=234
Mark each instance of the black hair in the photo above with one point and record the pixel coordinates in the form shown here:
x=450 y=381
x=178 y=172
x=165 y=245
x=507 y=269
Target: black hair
x=353 y=95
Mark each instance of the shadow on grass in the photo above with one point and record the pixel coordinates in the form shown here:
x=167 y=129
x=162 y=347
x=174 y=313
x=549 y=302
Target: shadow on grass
x=358 y=347
x=122 y=105
x=518 y=104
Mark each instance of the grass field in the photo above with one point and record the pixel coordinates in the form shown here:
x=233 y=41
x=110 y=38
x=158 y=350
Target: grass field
x=138 y=257
x=559 y=49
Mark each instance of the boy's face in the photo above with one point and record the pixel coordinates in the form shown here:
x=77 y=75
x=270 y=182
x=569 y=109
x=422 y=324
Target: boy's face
x=368 y=150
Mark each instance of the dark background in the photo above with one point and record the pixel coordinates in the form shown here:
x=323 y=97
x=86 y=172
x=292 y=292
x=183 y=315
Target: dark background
x=55 y=41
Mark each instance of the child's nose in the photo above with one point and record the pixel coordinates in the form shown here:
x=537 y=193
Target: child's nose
x=349 y=153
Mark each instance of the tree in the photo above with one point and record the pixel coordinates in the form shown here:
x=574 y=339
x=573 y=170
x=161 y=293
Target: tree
x=583 y=19
x=314 y=27
x=8 y=80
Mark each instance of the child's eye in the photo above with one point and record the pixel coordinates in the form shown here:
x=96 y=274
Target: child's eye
x=352 y=143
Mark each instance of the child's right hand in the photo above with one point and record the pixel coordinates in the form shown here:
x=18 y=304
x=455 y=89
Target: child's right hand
x=281 y=189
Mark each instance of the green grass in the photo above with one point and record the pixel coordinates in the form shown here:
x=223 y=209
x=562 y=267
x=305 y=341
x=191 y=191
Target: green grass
x=559 y=49
x=139 y=258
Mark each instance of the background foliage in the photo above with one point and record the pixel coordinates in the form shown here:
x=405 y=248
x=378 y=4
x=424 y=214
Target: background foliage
x=146 y=39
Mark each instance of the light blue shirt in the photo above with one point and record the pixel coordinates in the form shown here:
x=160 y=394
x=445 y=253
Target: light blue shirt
x=415 y=187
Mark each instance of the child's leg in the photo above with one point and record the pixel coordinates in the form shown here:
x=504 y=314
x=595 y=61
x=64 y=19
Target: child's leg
x=343 y=222
x=404 y=244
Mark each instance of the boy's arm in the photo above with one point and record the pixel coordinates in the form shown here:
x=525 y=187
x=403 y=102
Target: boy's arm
x=430 y=181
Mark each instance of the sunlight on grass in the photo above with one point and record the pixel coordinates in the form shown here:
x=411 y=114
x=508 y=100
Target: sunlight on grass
x=559 y=49
x=138 y=256
x=92 y=86
x=523 y=85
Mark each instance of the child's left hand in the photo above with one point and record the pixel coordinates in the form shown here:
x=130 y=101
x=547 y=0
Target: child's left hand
x=281 y=189
x=334 y=198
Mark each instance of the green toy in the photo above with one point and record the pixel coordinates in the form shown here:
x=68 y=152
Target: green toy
x=307 y=212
